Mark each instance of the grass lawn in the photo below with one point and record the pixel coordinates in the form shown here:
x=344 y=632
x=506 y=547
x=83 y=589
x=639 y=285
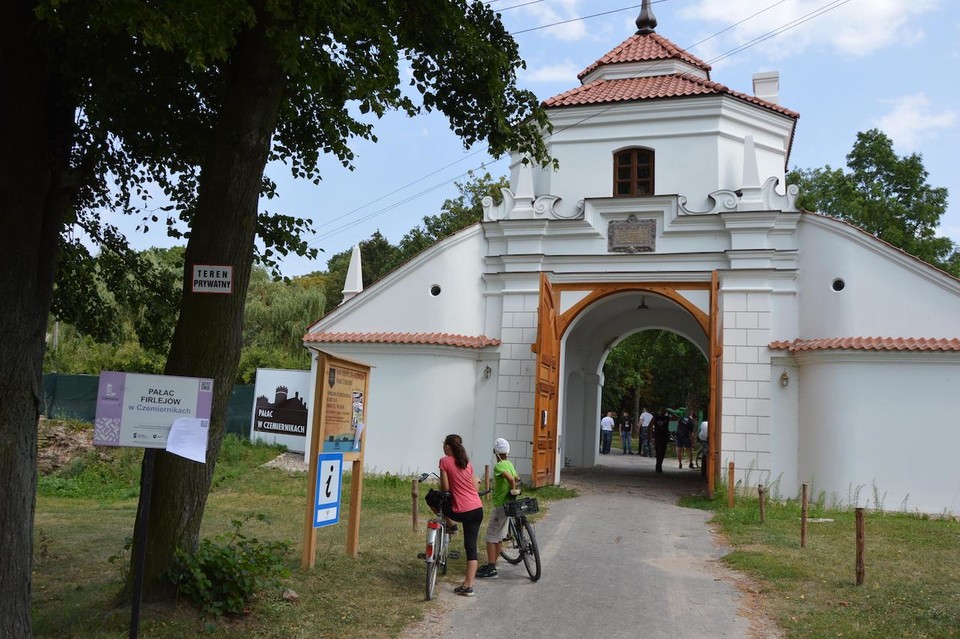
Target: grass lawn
x=80 y=558
x=85 y=515
x=912 y=569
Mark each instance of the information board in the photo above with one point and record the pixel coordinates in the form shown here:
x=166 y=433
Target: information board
x=136 y=410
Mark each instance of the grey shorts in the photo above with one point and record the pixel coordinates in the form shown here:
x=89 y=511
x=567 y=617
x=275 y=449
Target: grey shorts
x=497 y=527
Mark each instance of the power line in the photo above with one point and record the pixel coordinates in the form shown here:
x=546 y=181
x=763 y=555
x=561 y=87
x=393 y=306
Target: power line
x=586 y=17
x=517 y=6
x=830 y=6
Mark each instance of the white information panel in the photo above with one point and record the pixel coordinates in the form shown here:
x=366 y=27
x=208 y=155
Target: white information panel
x=329 y=473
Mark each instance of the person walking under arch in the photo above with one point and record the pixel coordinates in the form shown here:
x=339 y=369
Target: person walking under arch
x=685 y=438
x=661 y=435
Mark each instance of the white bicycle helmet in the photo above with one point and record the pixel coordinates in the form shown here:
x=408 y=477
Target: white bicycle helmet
x=501 y=446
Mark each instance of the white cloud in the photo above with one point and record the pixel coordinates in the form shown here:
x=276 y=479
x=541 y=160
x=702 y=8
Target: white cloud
x=912 y=120
x=565 y=71
x=543 y=13
x=849 y=28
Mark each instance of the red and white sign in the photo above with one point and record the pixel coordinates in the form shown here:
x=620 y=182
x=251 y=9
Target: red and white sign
x=212 y=278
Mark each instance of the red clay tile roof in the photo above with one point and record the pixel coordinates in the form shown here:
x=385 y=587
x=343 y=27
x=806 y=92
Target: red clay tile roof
x=870 y=344
x=640 y=48
x=442 y=339
x=652 y=88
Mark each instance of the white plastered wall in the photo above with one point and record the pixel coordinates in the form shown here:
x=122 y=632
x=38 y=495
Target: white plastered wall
x=874 y=428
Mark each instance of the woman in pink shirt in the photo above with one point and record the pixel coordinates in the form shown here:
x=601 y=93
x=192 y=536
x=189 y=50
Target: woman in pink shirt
x=456 y=476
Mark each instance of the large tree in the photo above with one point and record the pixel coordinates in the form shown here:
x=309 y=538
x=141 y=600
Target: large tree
x=36 y=136
x=884 y=194
x=193 y=98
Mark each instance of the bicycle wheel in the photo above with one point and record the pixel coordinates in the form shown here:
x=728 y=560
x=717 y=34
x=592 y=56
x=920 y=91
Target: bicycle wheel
x=432 y=566
x=530 y=551
x=510 y=548
x=444 y=551
x=431 y=578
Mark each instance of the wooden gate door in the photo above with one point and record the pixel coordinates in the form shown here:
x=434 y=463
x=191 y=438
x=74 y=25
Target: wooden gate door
x=546 y=401
x=716 y=366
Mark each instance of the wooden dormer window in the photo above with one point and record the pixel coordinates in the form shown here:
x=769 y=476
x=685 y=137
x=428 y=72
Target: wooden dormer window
x=633 y=172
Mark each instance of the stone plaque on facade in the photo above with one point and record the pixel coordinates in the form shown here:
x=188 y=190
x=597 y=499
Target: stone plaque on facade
x=632 y=235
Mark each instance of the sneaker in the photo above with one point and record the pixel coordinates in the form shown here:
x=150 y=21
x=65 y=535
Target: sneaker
x=463 y=591
x=489 y=571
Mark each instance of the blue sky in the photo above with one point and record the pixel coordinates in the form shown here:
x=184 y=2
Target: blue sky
x=847 y=66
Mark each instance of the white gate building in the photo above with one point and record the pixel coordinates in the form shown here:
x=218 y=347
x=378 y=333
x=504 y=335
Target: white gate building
x=834 y=356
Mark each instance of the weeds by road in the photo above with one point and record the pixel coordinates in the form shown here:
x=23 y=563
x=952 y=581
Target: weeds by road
x=912 y=570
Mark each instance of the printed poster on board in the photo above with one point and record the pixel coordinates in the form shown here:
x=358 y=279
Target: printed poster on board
x=281 y=408
x=343 y=409
x=136 y=410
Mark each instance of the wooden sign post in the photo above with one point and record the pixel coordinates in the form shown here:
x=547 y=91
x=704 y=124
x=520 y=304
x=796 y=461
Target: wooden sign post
x=340 y=407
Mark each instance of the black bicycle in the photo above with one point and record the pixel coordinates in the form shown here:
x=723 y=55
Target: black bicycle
x=521 y=542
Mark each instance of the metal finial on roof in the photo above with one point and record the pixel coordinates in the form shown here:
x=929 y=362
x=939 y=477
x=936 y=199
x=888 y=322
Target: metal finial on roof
x=646 y=21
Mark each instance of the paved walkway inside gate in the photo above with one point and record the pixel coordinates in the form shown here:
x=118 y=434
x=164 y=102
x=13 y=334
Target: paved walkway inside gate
x=620 y=560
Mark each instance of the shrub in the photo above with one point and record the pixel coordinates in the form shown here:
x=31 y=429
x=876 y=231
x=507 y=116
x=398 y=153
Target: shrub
x=224 y=575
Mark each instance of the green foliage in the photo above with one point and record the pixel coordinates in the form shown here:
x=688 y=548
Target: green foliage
x=77 y=354
x=109 y=475
x=225 y=574
x=276 y=316
x=655 y=368
x=121 y=561
x=884 y=194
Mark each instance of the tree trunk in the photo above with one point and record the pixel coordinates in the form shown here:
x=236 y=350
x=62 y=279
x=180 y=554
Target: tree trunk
x=35 y=133
x=207 y=339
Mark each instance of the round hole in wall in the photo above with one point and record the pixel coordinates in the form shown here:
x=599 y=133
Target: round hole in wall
x=838 y=284
x=435 y=290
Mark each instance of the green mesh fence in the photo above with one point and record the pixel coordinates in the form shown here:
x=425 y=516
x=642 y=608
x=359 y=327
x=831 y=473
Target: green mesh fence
x=75 y=397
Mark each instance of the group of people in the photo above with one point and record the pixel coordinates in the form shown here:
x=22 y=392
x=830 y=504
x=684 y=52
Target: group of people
x=655 y=429
x=457 y=478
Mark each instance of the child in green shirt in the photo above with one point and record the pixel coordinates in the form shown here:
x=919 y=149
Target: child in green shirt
x=506 y=483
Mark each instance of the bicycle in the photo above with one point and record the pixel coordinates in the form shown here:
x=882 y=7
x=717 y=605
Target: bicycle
x=521 y=541
x=702 y=454
x=437 y=550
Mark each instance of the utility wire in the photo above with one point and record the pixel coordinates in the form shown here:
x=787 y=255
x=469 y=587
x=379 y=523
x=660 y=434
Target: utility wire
x=830 y=6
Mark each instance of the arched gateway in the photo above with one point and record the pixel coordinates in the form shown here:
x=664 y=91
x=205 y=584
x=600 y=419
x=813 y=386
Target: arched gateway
x=834 y=357
x=579 y=323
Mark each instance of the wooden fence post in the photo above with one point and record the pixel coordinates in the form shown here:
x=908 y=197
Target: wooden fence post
x=730 y=485
x=486 y=479
x=804 y=504
x=763 y=504
x=415 y=493
x=861 y=543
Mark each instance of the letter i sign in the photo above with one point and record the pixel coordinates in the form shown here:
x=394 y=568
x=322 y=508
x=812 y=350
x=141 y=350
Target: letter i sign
x=329 y=473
